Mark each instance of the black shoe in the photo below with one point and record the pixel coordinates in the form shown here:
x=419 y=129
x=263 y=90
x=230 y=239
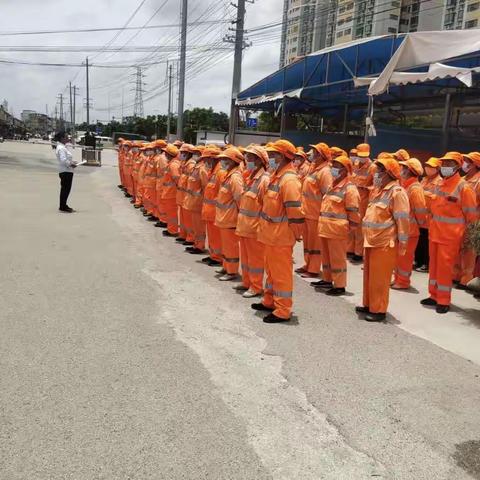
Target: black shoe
x=151 y=218
x=213 y=263
x=260 y=307
x=196 y=251
x=375 y=317
x=350 y=254
x=429 y=302
x=66 y=210
x=422 y=269
x=271 y=318
x=335 y=292
x=166 y=233
x=362 y=310
x=120 y=186
x=136 y=206
x=461 y=286
x=186 y=242
x=357 y=258
x=128 y=195
x=180 y=240
x=207 y=260
x=322 y=284
x=146 y=214
x=144 y=211
x=158 y=225
x=442 y=308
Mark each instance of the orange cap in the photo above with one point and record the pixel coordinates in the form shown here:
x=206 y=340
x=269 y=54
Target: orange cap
x=353 y=152
x=456 y=156
x=259 y=152
x=198 y=149
x=232 y=153
x=209 y=152
x=474 y=157
x=413 y=165
x=323 y=149
x=171 y=150
x=433 y=162
x=401 y=155
x=337 y=152
x=345 y=161
x=384 y=155
x=363 y=150
x=391 y=166
x=301 y=153
x=284 y=147
x=160 y=143
x=187 y=147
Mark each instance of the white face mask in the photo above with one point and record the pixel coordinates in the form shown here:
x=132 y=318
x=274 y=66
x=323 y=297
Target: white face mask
x=447 y=171
x=335 y=172
x=466 y=167
x=377 y=179
x=195 y=157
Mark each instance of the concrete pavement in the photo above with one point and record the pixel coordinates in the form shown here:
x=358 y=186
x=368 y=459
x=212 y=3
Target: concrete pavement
x=123 y=357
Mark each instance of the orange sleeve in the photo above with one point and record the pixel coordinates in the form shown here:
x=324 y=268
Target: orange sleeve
x=174 y=171
x=470 y=207
x=352 y=206
x=203 y=176
x=325 y=180
x=418 y=206
x=291 y=193
x=401 y=215
x=262 y=188
x=236 y=185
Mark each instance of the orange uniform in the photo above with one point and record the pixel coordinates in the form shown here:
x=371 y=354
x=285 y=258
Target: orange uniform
x=150 y=185
x=251 y=250
x=453 y=207
x=281 y=225
x=137 y=162
x=185 y=217
x=161 y=162
x=141 y=180
x=315 y=185
x=127 y=169
x=226 y=214
x=339 y=214
x=169 y=194
x=418 y=219
x=386 y=225
x=429 y=185
x=304 y=170
x=214 y=180
x=363 y=178
x=121 y=161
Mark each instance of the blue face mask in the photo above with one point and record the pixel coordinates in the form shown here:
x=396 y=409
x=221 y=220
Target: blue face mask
x=335 y=172
x=251 y=166
x=272 y=163
x=377 y=179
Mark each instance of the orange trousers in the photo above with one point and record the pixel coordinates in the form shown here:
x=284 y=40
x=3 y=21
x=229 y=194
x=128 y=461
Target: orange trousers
x=377 y=274
x=171 y=218
x=252 y=253
x=278 y=293
x=355 y=244
x=334 y=261
x=311 y=247
x=214 y=241
x=149 y=200
x=188 y=224
x=127 y=175
x=403 y=270
x=160 y=209
x=230 y=250
x=199 y=233
x=181 y=223
x=442 y=264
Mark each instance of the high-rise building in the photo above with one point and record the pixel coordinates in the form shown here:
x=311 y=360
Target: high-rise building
x=310 y=25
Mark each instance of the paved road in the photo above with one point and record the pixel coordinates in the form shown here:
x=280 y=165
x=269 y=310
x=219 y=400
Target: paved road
x=122 y=358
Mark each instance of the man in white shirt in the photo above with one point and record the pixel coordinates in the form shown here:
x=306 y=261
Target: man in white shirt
x=66 y=165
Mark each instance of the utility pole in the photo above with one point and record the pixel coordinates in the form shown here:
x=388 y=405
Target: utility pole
x=183 y=56
x=74 y=115
x=238 y=40
x=61 y=111
x=71 y=104
x=138 y=106
x=123 y=101
x=88 y=96
x=169 y=116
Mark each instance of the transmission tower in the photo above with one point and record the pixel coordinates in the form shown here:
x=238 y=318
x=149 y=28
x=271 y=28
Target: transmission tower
x=138 y=106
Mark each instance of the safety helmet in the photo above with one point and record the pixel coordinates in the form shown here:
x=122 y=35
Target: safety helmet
x=474 y=157
x=401 y=155
x=286 y=148
x=391 y=165
x=323 y=149
x=171 y=150
x=209 y=152
x=258 y=151
x=414 y=166
x=433 y=162
x=456 y=156
x=345 y=161
x=232 y=153
x=363 y=150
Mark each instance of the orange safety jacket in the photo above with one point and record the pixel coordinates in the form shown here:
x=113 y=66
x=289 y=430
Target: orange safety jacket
x=162 y=163
x=387 y=220
x=282 y=218
x=215 y=179
x=474 y=182
x=171 y=179
x=429 y=185
x=363 y=178
x=340 y=210
x=185 y=171
x=150 y=173
x=193 y=195
x=453 y=206
x=251 y=204
x=228 y=199
x=315 y=186
x=304 y=170
x=141 y=174
x=418 y=206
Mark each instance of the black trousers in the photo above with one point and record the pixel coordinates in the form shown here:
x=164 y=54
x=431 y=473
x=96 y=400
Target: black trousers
x=421 y=253
x=66 y=179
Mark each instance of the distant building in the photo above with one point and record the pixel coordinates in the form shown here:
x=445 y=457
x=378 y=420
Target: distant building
x=38 y=123
x=310 y=25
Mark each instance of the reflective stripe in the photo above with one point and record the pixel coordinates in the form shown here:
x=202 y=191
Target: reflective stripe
x=450 y=220
x=337 y=194
x=249 y=213
x=398 y=215
x=313 y=252
x=268 y=286
x=293 y=203
x=352 y=209
x=444 y=288
x=403 y=273
x=311 y=196
x=432 y=282
x=273 y=219
x=383 y=200
x=469 y=209
x=296 y=220
x=403 y=237
x=274 y=188
x=257 y=271
x=207 y=201
x=168 y=184
x=420 y=210
x=225 y=206
x=338 y=270
x=326 y=266
x=340 y=216
x=282 y=294
x=231 y=260
x=377 y=225
x=194 y=194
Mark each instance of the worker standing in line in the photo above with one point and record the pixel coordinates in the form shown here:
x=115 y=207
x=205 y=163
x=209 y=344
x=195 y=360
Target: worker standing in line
x=137 y=161
x=281 y=225
x=226 y=213
x=362 y=177
x=215 y=178
x=453 y=208
x=251 y=250
x=468 y=256
x=302 y=164
x=386 y=226
x=127 y=168
x=339 y=214
x=315 y=185
x=411 y=171
x=429 y=184
x=169 y=190
x=160 y=168
x=193 y=201
x=187 y=165
x=149 y=183
x=145 y=152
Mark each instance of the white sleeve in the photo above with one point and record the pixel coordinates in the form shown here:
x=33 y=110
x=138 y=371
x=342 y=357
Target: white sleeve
x=62 y=157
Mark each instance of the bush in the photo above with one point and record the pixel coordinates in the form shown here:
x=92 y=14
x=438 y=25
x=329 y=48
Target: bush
x=474 y=236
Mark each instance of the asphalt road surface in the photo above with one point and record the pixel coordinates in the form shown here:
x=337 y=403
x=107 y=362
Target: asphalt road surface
x=121 y=357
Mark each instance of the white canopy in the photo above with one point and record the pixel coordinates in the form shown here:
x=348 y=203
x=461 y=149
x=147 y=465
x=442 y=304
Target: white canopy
x=270 y=98
x=426 y=48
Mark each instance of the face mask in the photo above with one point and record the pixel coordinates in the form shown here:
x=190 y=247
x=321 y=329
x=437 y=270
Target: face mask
x=377 y=179
x=195 y=158
x=335 y=172
x=272 y=163
x=225 y=164
x=404 y=174
x=310 y=157
x=362 y=159
x=251 y=166
x=466 y=167
x=447 y=171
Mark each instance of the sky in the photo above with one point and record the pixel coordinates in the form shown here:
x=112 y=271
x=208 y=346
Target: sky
x=209 y=70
